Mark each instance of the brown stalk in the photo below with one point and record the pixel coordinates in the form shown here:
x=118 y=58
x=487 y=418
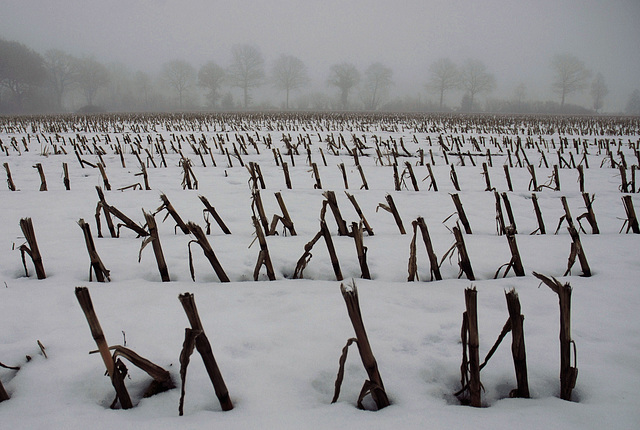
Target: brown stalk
x=517 y=344
x=166 y=204
x=568 y=373
x=117 y=379
x=374 y=385
x=204 y=348
x=100 y=271
x=31 y=248
x=211 y=210
x=201 y=240
x=154 y=238
x=263 y=257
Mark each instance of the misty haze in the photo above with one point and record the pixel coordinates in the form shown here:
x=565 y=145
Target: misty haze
x=155 y=55
x=352 y=191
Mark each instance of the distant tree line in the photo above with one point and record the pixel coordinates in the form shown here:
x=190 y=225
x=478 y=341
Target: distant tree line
x=57 y=81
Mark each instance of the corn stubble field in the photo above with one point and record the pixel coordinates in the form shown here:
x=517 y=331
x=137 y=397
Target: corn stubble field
x=420 y=225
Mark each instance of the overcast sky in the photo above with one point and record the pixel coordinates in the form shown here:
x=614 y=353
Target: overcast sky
x=515 y=39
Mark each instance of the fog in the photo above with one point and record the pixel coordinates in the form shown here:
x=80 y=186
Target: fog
x=516 y=40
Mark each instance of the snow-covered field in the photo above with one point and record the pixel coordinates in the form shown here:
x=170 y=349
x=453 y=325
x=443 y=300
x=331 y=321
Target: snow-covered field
x=277 y=343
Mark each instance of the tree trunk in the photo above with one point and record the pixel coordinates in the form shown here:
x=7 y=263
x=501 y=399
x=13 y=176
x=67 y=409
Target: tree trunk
x=344 y=97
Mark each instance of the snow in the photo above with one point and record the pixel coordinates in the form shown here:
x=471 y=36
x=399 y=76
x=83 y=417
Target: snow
x=278 y=343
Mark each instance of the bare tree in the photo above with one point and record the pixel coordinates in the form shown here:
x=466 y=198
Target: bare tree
x=92 y=76
x=443 y=76
x=344 y=76
x=571 y=75
x=520 y=94
x=142 y=86
x=211 y=76
x=633 y=104
x=377 y=80
x=21 y=70
x=247 y=69
x=227 y=102
x=319 y=101
x=599 y=91
x=475 y=79
x=288 y=74
x=62 y=73
x=179 y=75
x=120 y=95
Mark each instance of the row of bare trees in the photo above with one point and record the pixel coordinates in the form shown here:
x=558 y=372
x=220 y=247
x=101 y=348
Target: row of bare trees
x=57 y=73
x=29 y=80
x=570 y=76
x=28 y=77
x=288 y=74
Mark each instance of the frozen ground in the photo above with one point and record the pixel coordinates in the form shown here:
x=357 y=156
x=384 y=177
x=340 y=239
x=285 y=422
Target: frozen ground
x=278 y=342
